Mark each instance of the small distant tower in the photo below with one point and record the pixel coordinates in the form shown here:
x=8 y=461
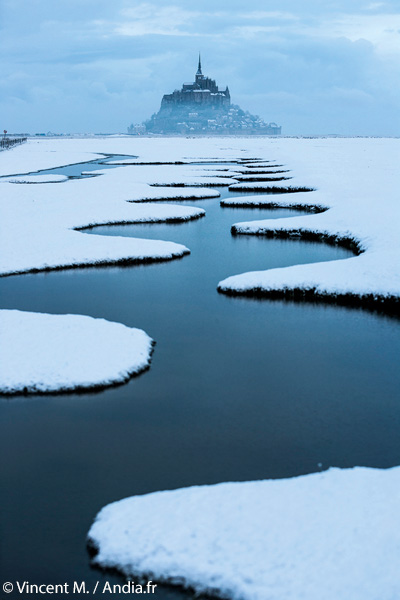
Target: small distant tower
x=199 y=74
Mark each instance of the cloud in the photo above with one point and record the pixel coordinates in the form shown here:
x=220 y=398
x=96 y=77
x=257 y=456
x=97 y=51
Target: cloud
x=383 y=31
x=268 y=15
x=147 y=19
x=375 y=5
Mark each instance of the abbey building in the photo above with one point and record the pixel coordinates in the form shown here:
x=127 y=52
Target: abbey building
x=203 y=91
x=202 y=107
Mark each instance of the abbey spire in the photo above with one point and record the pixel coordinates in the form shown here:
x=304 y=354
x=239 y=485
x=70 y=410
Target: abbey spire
x=199 y=72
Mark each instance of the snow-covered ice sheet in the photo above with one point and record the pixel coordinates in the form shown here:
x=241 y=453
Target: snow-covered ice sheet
x=35 y=155
x=278 y=186
x=299 y=201
x=37 y=240
x=59 y=353
x=272 y=176
x=167 y=175
x=50 y=152
x=34 y=179
x=262 y=170
x=38 y=222
x=323 y=536
x=132 y=161
x=357 y=181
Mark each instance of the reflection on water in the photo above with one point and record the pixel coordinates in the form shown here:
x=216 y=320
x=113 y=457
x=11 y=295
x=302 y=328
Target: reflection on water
x=238 y=389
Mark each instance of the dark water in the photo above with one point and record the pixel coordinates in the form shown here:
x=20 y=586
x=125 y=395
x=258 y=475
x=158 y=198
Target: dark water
x=238 y=389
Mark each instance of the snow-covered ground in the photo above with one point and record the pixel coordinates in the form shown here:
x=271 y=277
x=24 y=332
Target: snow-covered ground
x=34 y=179
x=38 y=222
x=165 y=175
x=37 y=155
x=50 y=152
x=60 y=353
x=298 y=201
x=357 y=181
x=324 y=536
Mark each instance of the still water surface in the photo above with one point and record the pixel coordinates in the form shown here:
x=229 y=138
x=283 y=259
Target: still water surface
x=238 y=389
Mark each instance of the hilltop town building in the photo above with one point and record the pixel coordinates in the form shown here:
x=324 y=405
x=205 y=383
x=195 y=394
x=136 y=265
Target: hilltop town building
x=203 y=91
x=201 y=107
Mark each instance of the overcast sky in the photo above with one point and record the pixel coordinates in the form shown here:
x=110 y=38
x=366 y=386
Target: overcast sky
x=312 y=66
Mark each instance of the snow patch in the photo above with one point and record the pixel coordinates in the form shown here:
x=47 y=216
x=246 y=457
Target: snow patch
x=61 y=353
x=301 y=201
x=360 y=211
x=38 y=222
x=260 y=178
x=328 y=535
x=271 y=189
x=34 y=179
x=363 y=208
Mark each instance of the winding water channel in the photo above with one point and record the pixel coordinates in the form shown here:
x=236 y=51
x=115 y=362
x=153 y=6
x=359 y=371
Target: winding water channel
x=238 y=389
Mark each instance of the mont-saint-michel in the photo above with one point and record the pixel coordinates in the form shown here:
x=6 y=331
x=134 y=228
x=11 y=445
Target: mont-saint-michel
x=202 y=107
x=200 y=326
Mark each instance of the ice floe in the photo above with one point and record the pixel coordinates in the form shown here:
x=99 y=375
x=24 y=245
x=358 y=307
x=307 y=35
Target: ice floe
x=60 y=353
x=329 y=535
